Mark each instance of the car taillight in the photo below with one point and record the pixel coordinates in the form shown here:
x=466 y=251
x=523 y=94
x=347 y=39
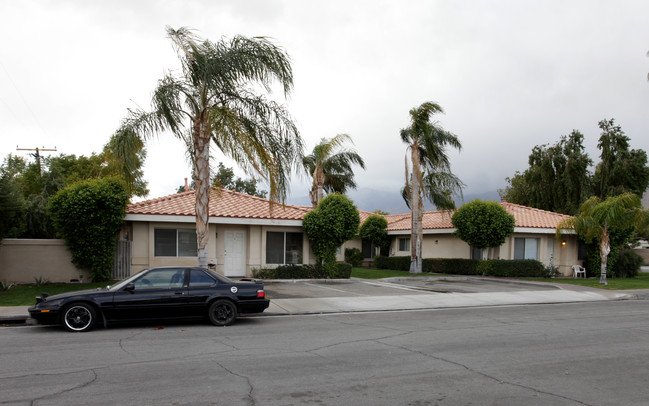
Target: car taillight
x=261 y=294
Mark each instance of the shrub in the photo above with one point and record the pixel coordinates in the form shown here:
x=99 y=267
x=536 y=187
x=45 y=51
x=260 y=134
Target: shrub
x=627 y=265
x=395 y=263
x=460 y=266
x=333 y=222
x=354 y=256
x=88 y=215
x=525 y=268
x=342 y=271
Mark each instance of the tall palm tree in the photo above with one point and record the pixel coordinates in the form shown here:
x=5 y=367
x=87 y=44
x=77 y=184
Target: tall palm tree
x=215 y=99
x=429 y=173
x=331 y=167
x=597 y=218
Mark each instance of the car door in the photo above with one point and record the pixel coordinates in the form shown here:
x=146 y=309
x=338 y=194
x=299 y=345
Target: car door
x=201 y=286
x=157 y=294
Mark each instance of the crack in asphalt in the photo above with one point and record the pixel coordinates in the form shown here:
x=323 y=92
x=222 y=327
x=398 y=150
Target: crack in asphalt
x=35 y=401
x=484 y=374
x=121 y=342
x=251 y=397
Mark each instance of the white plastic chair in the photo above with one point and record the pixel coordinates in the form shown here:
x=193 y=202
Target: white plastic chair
x=578 y=270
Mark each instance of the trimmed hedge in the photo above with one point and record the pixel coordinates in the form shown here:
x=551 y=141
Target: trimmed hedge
x=343 y=271
x=458 y=266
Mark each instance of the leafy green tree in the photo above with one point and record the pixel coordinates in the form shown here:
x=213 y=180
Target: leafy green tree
x=88 y=215
x=330 y=165
x=215 y=99
x=11 y=208
x=483 y=224
x=598 y=219
x=328 y=226
x=225 y=178
x=429 y=175
x=373 y=229
x=621 y=170
x=557 y=179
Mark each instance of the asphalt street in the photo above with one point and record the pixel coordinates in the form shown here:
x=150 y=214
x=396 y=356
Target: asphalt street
x=553 y=354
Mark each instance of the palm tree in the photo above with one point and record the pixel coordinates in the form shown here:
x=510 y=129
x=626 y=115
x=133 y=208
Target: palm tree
x=331 y=167
x=597 y=218
x=215 y=99
x=429 y=174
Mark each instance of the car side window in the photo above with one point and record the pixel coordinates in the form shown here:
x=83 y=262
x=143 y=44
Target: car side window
x=199 y=278
x=161 y=279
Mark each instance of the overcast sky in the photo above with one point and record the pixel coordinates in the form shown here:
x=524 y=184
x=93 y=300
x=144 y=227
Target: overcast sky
x=509 y=74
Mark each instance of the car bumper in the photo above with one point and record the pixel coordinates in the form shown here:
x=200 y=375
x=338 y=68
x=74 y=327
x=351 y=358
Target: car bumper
x=254 y=306
x=44 y=316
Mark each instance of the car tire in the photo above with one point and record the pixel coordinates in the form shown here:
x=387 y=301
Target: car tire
x=222 y=312
x=79 y=317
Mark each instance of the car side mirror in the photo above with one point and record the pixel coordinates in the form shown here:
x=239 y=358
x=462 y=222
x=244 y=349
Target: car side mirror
x=130 y=287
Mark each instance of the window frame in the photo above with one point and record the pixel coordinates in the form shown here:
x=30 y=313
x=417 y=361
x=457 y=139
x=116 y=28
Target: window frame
x=406 y=243
x=525 y=248
x=180 y=243
x=285 y=246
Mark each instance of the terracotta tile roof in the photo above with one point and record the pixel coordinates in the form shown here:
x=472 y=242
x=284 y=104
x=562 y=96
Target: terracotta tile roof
x=223 y=203
x=526 y=217
x=228 y=203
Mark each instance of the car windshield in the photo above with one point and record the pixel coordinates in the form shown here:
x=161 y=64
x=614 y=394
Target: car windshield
x=119 y=285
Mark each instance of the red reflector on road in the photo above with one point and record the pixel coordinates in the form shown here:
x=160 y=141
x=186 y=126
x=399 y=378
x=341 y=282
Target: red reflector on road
x=261 y=294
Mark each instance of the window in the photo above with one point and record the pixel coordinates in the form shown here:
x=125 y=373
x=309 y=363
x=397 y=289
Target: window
x=283 y=248
x=476 y=253
x=526 y=248
x=200 y=278
x=404 y=244
x=167 y=278
x=172 y=242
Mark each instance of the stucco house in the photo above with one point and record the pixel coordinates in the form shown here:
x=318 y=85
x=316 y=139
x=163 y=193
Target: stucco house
x=533 y=238
x=247 y=232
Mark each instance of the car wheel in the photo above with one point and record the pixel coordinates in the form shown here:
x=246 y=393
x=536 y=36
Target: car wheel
x=222 y=312
x=79 y=317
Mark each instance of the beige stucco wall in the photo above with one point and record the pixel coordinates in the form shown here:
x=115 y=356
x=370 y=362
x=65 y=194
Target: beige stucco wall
x=255 y=247
x=449 y=246
x=22 y=260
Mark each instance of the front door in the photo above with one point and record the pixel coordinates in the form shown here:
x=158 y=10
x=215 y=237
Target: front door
x=235 y=253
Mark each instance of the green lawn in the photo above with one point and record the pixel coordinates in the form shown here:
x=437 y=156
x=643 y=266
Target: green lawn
x=639 y=282
x=25 y=295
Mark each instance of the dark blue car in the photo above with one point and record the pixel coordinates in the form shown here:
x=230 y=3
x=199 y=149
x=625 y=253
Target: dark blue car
x=156 y=293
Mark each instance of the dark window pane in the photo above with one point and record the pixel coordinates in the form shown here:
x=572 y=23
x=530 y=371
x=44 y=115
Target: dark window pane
x=274 y=247
x=200 y=278
x=519 y=248
x=404 y=244
x=476 y=253
x=293 y=248
x=164 y=242
x=187 y=245
x=367 y=249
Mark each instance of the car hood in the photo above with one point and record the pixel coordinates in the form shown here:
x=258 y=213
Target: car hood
x=65 y=295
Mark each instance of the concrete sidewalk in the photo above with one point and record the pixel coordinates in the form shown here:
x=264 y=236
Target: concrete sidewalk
x=440 y=301
x=395 y=296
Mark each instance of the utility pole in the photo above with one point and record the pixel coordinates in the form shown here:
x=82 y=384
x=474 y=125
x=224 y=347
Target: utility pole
x=36 y=155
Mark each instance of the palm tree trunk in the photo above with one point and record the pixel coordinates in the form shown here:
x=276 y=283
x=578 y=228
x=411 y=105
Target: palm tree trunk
x=417 y=207
x=318 y=186
x=604 y=250
x=202 y=178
